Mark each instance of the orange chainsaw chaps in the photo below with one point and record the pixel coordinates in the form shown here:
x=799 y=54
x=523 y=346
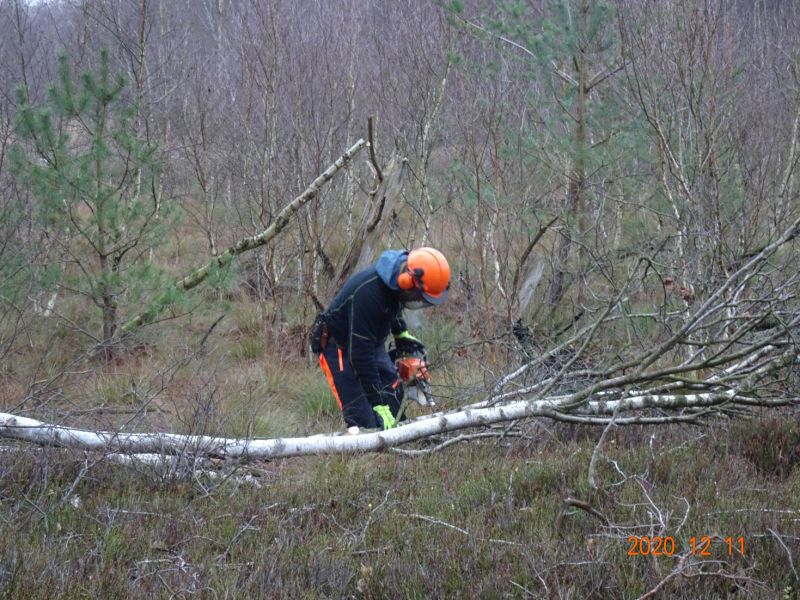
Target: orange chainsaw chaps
x=329 y=376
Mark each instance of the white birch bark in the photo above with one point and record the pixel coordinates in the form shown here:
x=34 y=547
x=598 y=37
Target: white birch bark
x=31 y=430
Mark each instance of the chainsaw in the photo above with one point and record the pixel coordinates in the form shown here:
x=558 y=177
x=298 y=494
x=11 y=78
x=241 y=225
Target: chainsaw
x=412 y=369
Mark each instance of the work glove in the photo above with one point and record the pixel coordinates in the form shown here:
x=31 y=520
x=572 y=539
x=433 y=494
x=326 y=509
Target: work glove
x=385 y=416
x=408 y=344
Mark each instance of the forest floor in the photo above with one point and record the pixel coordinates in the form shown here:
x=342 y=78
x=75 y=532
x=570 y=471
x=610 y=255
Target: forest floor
x=687 y=512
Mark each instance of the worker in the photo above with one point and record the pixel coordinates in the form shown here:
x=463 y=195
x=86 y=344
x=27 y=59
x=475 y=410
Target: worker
x=350 y=336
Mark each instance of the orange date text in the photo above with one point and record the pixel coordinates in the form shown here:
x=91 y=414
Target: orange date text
x=704 y=546
x=645 y=545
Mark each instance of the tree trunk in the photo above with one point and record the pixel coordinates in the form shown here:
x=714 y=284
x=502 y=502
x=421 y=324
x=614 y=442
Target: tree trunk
x=31 y=430
x=573 y=216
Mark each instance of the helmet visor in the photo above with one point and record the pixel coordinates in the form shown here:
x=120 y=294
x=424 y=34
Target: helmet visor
x=414 y=299
x=416 y=304
x=430 y=298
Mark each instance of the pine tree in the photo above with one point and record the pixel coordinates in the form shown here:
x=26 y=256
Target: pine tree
x=96 y=186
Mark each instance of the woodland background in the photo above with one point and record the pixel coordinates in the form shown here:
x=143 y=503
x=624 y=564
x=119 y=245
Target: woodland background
x=566 y=156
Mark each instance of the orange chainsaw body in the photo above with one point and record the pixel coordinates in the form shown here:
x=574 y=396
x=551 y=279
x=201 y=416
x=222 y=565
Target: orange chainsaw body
x=412 y=369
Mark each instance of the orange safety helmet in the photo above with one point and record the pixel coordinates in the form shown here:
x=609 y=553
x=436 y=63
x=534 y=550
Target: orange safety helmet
x=426 y=270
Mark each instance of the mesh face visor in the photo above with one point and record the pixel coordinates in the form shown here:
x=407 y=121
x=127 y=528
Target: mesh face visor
x=414 y=299
x=431 y=299
x=416 y=304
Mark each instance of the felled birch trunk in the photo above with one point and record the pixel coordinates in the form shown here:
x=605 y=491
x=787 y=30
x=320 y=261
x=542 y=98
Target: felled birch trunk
x=31 y=430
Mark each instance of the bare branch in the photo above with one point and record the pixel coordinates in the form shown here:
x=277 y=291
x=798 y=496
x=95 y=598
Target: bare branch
x=278 y=224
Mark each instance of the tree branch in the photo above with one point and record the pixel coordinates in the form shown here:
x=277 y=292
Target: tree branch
x=199 y=275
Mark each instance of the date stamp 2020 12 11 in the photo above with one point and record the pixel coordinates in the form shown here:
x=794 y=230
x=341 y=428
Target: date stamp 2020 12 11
x=702 y=547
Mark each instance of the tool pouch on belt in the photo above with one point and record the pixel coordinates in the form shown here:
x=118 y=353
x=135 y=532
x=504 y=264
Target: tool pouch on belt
x=318 y=338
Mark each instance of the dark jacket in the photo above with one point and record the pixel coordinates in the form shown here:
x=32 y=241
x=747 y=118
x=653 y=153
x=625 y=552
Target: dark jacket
x=363 y=314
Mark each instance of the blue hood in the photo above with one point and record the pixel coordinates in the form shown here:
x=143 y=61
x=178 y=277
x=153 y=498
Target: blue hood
x=388 y=267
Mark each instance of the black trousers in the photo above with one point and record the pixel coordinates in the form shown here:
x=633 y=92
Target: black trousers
x=356 y=407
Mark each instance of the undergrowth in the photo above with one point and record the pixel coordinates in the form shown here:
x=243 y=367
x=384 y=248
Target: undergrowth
x=477 y=520
x=511 y=516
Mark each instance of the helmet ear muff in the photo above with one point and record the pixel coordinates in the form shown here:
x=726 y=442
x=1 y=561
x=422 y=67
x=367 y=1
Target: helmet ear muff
x=407 y=281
